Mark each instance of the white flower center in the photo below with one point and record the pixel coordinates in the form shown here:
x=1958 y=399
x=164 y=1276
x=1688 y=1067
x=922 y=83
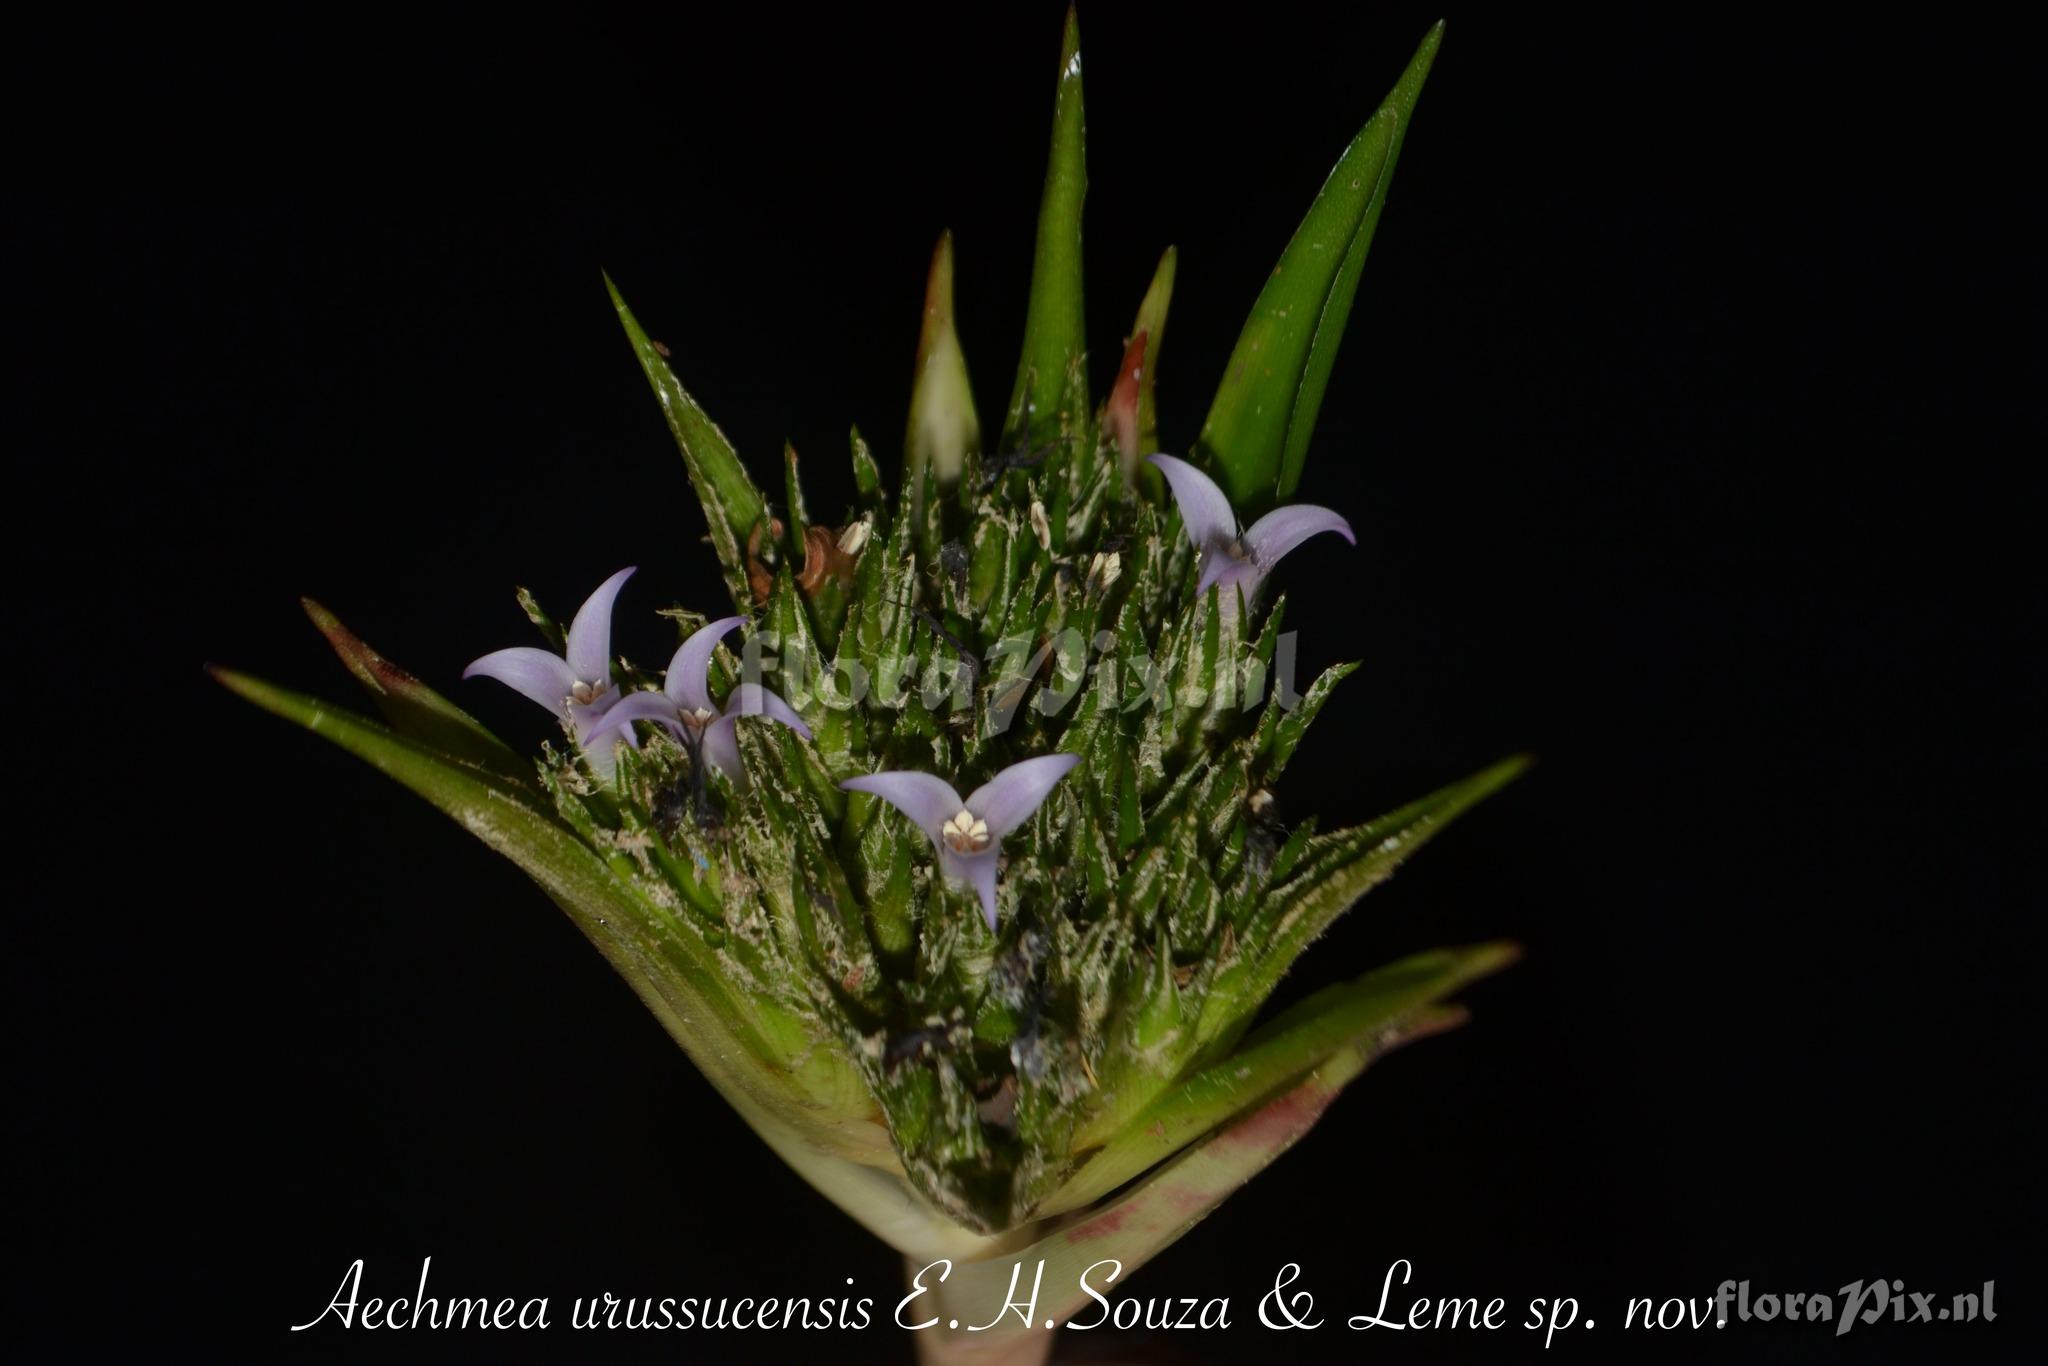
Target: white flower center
x=965 y=833
x=583 y=694
x=699 y=718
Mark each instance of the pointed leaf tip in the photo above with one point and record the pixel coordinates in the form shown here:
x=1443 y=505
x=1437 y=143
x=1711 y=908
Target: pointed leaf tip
x=943 y=424
x=1133 y=412
x=732 y=504
x=1333 y=871
x=1151 y=322
x=1052 y=379
x=1121 y=417
x=1258 y=429
x=412 y=708
x=1376 y=1012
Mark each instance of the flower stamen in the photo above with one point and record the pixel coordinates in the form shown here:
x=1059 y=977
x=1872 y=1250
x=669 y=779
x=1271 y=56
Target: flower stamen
x=966 y=833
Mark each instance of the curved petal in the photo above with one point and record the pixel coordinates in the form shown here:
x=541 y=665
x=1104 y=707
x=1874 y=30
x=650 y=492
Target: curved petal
x=1219 y=565
x=751 y=699
x=1282 y=529
x=977 y=871
x=600 y=736
x=603 y=758
x=1204 y=510
x=929 y=801
x=689 y=670
x=531 y=672
x=639 y=706
x=590 y=635
x=721 y=750
x=1007 y=800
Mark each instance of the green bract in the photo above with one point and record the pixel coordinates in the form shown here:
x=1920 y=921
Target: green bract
x=1088 y=1072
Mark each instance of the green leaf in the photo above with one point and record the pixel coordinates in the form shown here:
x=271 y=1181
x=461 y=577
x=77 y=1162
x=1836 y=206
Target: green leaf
x=1257 y=433
x=1280 y=730
x=1052 y=377
x=767 y=1063
x=732 y=505
x=416 y=710
x=1367 y=1012
x=1333 y=872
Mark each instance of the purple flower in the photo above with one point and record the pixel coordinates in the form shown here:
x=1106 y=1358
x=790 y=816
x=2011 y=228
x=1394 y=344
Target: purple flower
x=969 y=834
x=1230 y=556
x=684 y=704
x=577 y=688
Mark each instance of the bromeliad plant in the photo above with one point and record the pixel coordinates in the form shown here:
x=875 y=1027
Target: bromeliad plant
x=1016 y=1024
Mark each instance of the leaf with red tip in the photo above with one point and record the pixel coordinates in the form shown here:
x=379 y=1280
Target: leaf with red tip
x=1151 y=322
x=1120 y=418
x=416 y=710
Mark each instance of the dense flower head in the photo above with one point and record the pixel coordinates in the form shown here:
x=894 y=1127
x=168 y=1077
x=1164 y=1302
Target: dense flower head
x=1011 y=970
x=959 y=1015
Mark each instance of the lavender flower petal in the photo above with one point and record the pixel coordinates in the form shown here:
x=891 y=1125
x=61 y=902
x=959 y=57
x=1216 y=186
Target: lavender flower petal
x=639 y=706
x=977 y=871
x=687 y=683
x=1204 y=510
x=929 y=802
x=1007 y=800
x=751 y=699
x=1282 y=529
x=721 y=749
x=531 y=672
x=590 y=635
x=1220 y=566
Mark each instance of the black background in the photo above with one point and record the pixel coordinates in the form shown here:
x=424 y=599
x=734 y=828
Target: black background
x=1690 y=417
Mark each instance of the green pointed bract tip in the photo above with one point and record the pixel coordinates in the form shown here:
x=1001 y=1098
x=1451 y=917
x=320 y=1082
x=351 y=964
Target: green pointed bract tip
x=1052 y=381
x=732 y=505
x=943 y=424
x=796 y=517
x=1255 y=440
